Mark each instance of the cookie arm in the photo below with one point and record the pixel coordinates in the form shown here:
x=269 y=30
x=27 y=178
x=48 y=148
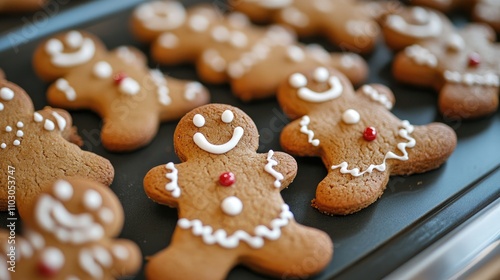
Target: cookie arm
x=299 y=143
x=378 y=94
x=58 y=120
x=282 y=167
x=160 y=184
x=352 y=65
x=127 y=258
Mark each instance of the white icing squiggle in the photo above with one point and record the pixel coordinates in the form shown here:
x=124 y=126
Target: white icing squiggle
x=335 y=91
x=172 y=186
x=431 y=28
x=404 y=132
x=310 y=134
x=221 y=238
x=64 y=86
x=192 y=90
x=421 y=56
x=61 y=122
x=376 y=96
x=470 y=79
x=162 y=89
x=269 y=169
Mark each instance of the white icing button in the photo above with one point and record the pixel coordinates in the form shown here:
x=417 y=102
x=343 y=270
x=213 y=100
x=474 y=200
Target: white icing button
x=92 y=199
x=6 y=94
x=232 y=206
x=16 y=143
x=3 y=146
x=8 y=128
x=19 y=133
x=227 y=116
x=129 y=86
x=298 y=80
x=63 y=190
x=321 y=74
x=103 y=70
x=351 y=116
x=20 y=124
x=74 y=39
x=198 y=120
x=49 y=125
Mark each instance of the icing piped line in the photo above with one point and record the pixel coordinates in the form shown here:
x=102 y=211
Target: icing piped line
x=202 y=142
x=421 y=56
x=221 y=238
x=86 y=52
x=470 y=79
x=162 y=89
x=269 y=169
x=172 y=186
x=335 y=91
x=174 y=15
x=404 y=132
x=61 y=122
x=64 y=86
x=376 y=96
x=310 y=134
x=431 y=29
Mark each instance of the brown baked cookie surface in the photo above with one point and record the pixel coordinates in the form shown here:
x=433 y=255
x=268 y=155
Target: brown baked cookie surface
x=230 y=208
x=16 y=6
x=350 y=24
x=360 y=142
x=463 y=65
x=36 y=148
x=131 y=99
x=228 y=48
x=69 y=232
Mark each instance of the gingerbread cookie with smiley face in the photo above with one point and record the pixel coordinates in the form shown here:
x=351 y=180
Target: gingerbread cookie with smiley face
x=37 y=147
x=228 y=48
x=360 y=142
x=131 y=98
x=69 y=233
x=230 y=208
x=461 y=64
x=350 y=24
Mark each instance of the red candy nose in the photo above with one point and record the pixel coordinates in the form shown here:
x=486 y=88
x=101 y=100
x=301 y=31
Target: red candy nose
x=118 y=78
x=45 y=270
x=226 y=179
x=474 y=59
x=370 y=134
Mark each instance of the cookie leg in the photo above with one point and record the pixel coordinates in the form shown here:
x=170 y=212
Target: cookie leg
x=342 y=194
x=434 y=144
x=189 y=258
x=299 y=253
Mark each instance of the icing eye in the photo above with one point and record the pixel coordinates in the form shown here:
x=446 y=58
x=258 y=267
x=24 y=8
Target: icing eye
x=63 y=190
x=321 y=74
x=227 y=116
x=198 y=120
x=74 y=39
x=298 y=80
x=54 y=47
x=92 y=200
x=102 y=70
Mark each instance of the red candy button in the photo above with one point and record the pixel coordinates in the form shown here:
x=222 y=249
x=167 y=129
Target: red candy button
x=227 y=179
x=370 y=133
x=45 y=270
x=474 y=59
x=118 y=78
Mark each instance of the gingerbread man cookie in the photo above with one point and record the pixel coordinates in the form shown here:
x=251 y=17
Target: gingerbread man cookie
x=486 y=11
x=350 y=24
x=228 y=48
x=70 y=233
x=463 y=65
x=230 y=208
x=360 y=142
x=131 y=98
x=36 y=148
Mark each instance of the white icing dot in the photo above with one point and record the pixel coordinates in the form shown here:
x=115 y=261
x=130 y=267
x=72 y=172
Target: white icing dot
x=16 y=142
x=63 y=190
x=120 y=252
x=20 y=124
x=1 y=106
x=53 y=258
x=49 y=125
x=54 y=46
x=347 y=61
x=351 y=116
x=19 y=133
x=37 y=117
x=106 y=215
x=239 y=39
x=8 y=128
x=295 y=53
x=74 y=39
x=6 y=94
x=220 y=34
x=227 y=116
x=3 y=146
x=297 y=80
x=198 y=120
x=198 y=23
x=455 y=42
x=129 y=86
x=232 y=206
x=236 y=70
x=321 y=74
x=169 y=40
x=92 y=200
x=103 y=70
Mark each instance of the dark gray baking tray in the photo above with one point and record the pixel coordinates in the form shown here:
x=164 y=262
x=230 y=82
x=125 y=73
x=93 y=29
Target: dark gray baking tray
x=414 y=211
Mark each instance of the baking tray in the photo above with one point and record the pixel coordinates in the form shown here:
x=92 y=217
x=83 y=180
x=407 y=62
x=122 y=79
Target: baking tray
x=414 y=211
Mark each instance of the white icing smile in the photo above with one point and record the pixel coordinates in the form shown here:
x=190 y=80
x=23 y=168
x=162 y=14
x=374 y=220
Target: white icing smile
x=320 y=75
x=84 y=47
x=201 y=141
x=428 y=24
x=161 y=16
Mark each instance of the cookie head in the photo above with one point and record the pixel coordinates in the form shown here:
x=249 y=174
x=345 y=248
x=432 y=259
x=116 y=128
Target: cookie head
x=77 y=211
x=215 y=129
x=302 y=93
x=62 y=53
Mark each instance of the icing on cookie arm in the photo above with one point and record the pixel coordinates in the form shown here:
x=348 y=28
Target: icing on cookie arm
x=161 y=184
x=298 y=138
x=282 y=167
x=378 y=94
